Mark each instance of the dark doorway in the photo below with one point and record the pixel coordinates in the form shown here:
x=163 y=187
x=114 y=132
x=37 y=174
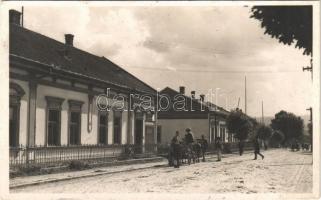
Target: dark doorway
x=139 y=131
x=14 y=126
x=117 y=127
x=74 y=128
x=159 y=134
x=103 y=128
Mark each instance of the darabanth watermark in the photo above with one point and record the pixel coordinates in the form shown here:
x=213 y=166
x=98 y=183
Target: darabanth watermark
x=159 y=102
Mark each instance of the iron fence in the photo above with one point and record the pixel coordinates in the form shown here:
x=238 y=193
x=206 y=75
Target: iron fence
x=51 y=155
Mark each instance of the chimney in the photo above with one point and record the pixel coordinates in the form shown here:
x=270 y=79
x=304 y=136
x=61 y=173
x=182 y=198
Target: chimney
x=69 y=39
x=202 y=97
x=182 y=90
x=193 y=94
x=15 y=17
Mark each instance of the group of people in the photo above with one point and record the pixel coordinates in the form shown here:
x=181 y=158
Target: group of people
x=188 y=140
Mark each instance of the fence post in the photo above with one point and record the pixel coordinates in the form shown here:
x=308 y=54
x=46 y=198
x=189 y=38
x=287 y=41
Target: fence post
x=27 y=156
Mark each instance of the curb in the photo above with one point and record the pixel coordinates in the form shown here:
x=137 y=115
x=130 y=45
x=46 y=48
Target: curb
x=78 y=177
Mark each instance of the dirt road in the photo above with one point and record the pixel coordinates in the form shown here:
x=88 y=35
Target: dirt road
x=280 y=171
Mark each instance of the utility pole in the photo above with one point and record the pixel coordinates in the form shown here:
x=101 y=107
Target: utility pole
x=309 y=68
x=238 y=103
x=245 y=98
x=262 y=114
x=310 y=109
x=311 y=122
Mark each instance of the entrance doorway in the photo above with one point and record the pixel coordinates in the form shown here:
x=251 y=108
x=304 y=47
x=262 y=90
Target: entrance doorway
x=139 y=131
x=14 y=126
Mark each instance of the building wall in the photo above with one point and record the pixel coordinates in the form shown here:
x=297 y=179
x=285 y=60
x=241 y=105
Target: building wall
x=23 y=121
x=42 y=91
x=221 y=128
x=87 y=137
x=170 y=126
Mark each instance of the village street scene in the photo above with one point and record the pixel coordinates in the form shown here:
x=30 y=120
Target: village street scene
x=163 y=99
x=282 y=172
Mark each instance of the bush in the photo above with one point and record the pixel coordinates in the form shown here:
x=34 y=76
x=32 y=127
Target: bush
x=25 y=171
x=78 y=165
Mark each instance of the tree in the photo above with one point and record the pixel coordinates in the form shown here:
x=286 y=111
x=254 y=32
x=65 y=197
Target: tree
x=264 y=133
x=288 y=24
x=277 y=138
x=239 y=124
x=289 y=124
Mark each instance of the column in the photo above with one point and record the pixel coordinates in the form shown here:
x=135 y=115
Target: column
x=132 y=127
x=32 y=112
x=110 y=126
x=144 y=131
x=124 y=126
x=155 y=128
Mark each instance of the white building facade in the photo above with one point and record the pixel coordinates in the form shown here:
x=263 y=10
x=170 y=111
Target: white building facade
x=60 y=95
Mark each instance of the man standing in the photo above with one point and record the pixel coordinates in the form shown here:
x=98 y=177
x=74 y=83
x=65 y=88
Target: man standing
x=219 y=148
x=257 y=148
x=189 y=139
x=204 y=146
x=241 y=146
x=176 y=149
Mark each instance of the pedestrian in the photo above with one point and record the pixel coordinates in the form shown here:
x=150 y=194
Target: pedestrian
x=219 y=148
x=204 y=146
x=189 y=138
x=241 y=147
x=257 y=148
x=175 y=143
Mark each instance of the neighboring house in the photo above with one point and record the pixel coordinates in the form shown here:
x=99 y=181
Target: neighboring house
x=53 y=91
x=203 y=118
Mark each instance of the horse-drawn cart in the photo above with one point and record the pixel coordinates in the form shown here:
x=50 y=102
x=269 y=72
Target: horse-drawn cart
x=184 y=153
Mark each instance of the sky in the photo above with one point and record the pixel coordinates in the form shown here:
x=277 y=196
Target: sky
x=201 y=48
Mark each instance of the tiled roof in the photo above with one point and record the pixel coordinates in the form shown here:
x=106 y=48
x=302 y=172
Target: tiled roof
x=39 y=48
x=192 y=108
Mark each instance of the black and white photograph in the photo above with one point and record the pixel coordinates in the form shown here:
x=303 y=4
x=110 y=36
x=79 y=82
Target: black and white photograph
x=157 y=98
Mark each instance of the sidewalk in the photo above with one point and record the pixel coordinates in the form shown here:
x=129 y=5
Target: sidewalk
x=48 y=178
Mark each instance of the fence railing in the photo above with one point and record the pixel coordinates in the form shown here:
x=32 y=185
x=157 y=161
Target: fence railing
x=52 y=155
x=44 y=155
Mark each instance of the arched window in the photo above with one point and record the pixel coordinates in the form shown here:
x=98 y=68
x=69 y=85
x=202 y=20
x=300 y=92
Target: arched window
x=16 y=93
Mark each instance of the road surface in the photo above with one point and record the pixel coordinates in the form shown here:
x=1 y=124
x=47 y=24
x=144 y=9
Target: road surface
x=281 y=171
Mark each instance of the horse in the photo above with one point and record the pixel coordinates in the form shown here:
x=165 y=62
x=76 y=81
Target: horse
x=187 y=153
x=197 y=151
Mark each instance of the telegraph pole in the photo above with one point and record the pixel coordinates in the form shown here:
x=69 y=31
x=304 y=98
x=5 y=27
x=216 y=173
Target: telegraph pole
x=245 y=98
x=311 y=122
x=262 y=114
x=309 y=68
x=238 y=103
